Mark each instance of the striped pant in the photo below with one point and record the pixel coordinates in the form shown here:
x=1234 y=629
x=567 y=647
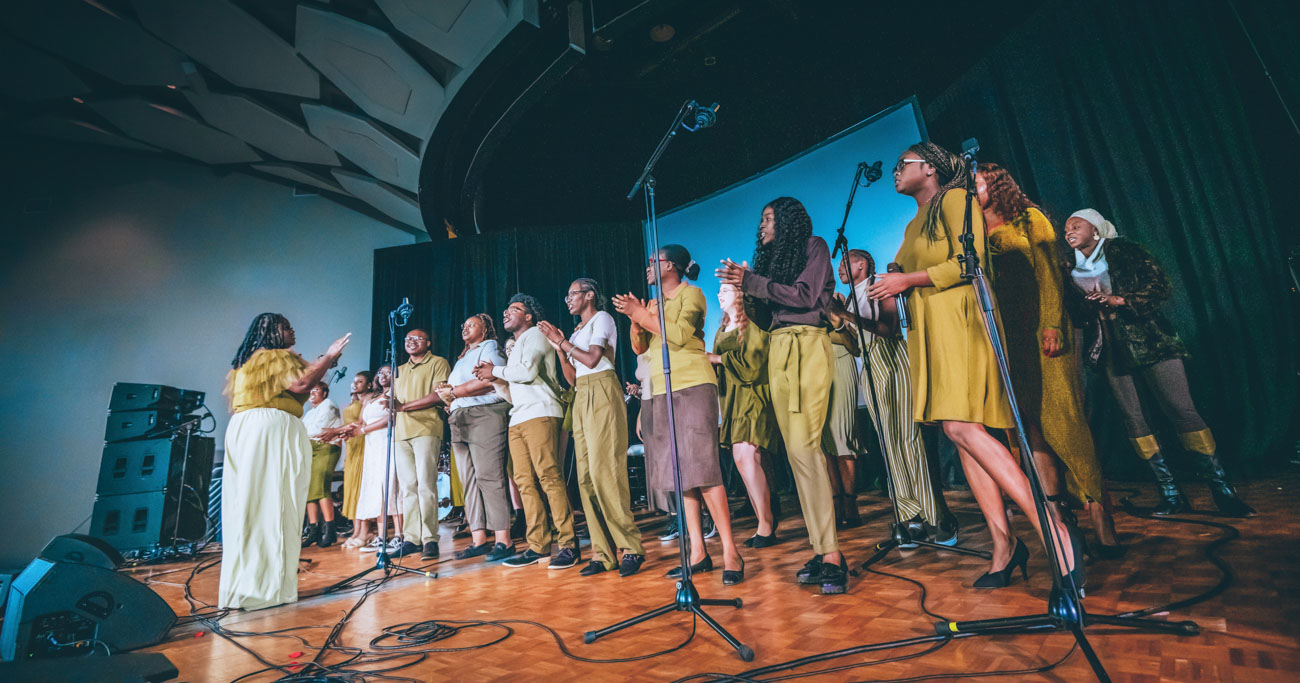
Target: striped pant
x=890 y=376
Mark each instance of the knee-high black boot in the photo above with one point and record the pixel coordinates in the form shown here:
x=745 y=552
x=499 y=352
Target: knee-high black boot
x=1225 y=497
x=1172 y=500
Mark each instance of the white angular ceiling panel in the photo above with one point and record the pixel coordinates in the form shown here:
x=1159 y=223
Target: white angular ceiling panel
x=378 y=153
x=261 y=127
x=392 y=202
x=82 y=131
x=172 y=129
x=33 y=75
x=456 y=29
x=300 y=176
x=86 y=32
x=232 y=43
x=371 y=69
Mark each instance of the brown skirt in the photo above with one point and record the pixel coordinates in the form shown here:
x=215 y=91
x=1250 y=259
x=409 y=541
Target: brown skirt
x=695 y=411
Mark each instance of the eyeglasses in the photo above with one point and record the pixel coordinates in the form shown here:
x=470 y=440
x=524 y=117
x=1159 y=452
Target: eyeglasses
x=902 y=164
x=573 y=295
x=515 y=309
x=411 y=339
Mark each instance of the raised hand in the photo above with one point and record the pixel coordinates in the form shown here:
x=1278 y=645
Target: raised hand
x=336 y=349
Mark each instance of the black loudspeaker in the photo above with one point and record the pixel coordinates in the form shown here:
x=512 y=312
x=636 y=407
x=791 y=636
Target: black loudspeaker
x=82 y=550
x=65 y=609
x=147 y=667
x=128 y=396
x=136 y=424
x=155 y=464
x=131 y=521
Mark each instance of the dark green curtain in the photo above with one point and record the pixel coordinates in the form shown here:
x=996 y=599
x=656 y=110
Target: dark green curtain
x=449 y=281
x=1157 y=115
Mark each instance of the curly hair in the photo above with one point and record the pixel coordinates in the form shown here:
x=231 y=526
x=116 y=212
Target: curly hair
x=532 y=306
x=1006 y=199
x=266 y=332
x=785 y=257
x=489 y=329
x=953 y=172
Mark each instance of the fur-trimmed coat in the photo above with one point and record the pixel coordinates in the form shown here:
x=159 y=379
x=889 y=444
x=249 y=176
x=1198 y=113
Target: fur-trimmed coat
x=1134 y=335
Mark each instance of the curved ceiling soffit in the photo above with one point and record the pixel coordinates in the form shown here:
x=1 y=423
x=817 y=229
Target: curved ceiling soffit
x=371 y=69
x=172 y=129
x=267 y=130
x=395 y=203
x=31 y=75
x=365 y=144
x=235 y=45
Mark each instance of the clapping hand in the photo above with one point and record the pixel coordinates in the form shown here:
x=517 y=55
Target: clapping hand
x=551 y=332
x=731 y=273
x=629 y=305
x=483 y=371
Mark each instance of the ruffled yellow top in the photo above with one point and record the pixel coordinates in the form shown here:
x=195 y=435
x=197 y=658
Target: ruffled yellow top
x=263 y=382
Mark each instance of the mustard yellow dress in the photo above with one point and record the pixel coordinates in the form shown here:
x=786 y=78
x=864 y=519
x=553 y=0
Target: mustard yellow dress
x=263 y=483
x=954 y=371
x=1030 y=290
x=745 y=398
x=354 y=451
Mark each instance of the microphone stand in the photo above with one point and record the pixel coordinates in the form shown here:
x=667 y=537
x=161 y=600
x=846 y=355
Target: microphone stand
x=899 y=537
x=1064 y=609
x=686 y=599
x=383 y=562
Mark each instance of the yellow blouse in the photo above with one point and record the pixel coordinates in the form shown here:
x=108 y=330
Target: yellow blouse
x=263 y=382
x=684 y=319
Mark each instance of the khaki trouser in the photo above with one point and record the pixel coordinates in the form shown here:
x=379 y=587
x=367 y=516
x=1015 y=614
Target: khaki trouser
x=799 y=372
x=416 y=460
x=600 y=446
x=478 y=440
x=534 y=455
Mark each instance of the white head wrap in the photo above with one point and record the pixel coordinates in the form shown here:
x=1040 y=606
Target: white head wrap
x=1105 y=229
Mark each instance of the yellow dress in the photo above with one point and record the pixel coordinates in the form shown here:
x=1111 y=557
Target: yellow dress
x=1030 y=290
x=954 y=372
x=263 y=483
x=354 y=451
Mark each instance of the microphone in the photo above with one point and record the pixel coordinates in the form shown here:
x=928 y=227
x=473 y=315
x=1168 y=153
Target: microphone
x=405 y=310
x=969 y=148
x=704 y=117
x=900 y=300
x=339 y=373
x=871 y=173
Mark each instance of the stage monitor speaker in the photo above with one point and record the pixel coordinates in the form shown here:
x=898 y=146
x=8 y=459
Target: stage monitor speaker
x=128 y=396
x=132 y=521
x=65 y=609
x=82 y=549
x=155 y=464
x=147 y=424
x=136 y=667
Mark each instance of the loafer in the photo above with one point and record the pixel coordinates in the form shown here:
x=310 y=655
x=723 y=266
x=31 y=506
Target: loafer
x=835 y=577
x=430 y=551
x=499 y=552
x=406 y=548
x=566 y=558
x=705 y=565
x=475 y=551
x=593 y=568
x=811 y=572
x=524 y=559
x=631 y=564
x=760 y=541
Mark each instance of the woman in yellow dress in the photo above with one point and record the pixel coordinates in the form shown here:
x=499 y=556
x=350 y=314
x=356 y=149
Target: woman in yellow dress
x=354 y=451
x=954 y=371
x=267 y=465
x=1030 y=286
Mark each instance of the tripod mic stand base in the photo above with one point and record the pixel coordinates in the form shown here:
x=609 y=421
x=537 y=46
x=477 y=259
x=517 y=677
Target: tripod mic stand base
x=687 y=600
x=900 y=538
x=384 y=564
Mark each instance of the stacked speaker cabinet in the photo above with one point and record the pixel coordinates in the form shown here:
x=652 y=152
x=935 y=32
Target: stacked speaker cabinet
x=155 y=471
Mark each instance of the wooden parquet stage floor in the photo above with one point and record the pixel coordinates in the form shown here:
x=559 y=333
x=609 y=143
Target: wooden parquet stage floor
x=1248 y=632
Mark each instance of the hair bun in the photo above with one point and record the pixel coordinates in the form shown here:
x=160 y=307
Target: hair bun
x=692 y=271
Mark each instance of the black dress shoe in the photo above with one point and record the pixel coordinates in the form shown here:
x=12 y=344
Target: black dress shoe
x=631 y=564
x=475 y=551
x=500 y=552
x=761 y=541
x=327 y=535
x=430 y=551
x=811 y=572
x=705 y=565
x=593 y=568
x=462 y=531
x=1002 y=577
x=835 y=577
x=407 y=548
x=731 y=577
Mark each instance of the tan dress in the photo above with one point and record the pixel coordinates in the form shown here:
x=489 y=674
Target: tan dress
x=954 y=371
x=742 y=387
x=1030 y=291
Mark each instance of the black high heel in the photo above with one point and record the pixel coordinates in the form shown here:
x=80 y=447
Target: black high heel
x=1078 y=575
x=731 y=577
x=705 y=565
x=1002 y=577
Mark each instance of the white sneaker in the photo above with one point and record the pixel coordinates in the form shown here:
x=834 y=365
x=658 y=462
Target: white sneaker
x=395 y=545
x=373 y=546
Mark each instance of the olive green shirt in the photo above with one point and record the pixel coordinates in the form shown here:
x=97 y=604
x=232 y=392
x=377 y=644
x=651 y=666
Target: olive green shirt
x=415 y=381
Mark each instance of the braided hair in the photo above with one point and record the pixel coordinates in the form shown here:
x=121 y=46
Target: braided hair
x=786 y=256
x=266 y=332
x=589 y=285
x=865 y=256
x=953 y=172
x=489 y=330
